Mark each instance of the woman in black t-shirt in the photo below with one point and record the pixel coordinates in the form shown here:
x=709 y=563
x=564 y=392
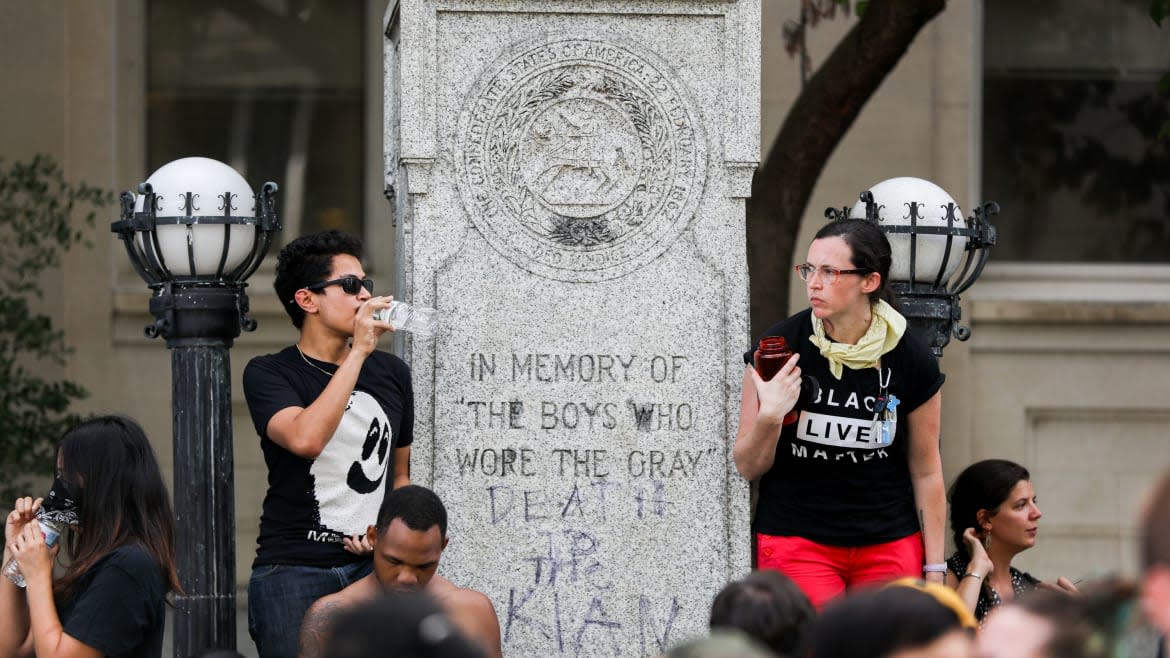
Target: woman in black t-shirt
x=110 y=599
x=847 y=494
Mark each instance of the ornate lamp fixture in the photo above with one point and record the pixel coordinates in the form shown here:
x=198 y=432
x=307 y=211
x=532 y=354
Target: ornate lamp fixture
x=937 y=254
x=197 y=262
x=195 y=233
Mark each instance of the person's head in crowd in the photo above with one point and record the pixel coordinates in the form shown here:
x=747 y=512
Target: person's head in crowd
x=110 y=470
x=308 y=261
x=400 y=623
x=944 y=595
x=893 y=622
x=995 y=497
x=1046 y=623
x=871 y=252
x=722 y=643
x=767 y=606
x=1155 y=556
x=409 y=538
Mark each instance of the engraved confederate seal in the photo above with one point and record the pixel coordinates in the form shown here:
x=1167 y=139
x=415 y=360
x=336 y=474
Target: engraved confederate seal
x=580 y=159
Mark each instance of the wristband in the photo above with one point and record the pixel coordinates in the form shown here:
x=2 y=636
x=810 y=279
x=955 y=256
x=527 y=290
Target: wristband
x=972 y=574
x=935 y=567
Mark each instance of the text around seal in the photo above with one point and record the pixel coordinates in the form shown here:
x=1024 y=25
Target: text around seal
x=579 y=159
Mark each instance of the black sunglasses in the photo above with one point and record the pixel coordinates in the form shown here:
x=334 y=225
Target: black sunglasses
x=350 y=284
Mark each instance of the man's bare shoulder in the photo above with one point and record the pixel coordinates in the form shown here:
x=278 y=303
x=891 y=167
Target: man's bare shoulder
x=320 y=616
x=471 y=611
x=362 y=590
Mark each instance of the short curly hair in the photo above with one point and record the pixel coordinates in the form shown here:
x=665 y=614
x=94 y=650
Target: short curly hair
x=308 y=260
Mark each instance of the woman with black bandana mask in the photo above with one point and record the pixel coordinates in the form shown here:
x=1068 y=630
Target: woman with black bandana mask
x=110 y=598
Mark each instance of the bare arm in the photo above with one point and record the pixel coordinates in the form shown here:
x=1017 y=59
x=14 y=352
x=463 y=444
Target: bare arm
x=927 y=478
x=401 y=467
x=49 y=639
x=475 y=616
x=315 y=628
x=15 y=637
x=305 y=431
x=762 y=406
x=979 y=569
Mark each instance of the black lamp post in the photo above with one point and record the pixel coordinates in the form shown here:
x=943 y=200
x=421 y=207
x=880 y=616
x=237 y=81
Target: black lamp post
x=192 y=236
x=930 y=240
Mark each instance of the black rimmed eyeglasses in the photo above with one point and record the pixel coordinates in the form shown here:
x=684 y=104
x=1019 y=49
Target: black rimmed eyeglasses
x=350 y=284
x=829 y=275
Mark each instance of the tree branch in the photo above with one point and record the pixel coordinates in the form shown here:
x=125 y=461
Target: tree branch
x=818 y=120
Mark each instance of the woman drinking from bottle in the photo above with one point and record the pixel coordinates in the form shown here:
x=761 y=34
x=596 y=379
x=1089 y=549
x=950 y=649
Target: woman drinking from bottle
x=850 y=478
x=109 y=600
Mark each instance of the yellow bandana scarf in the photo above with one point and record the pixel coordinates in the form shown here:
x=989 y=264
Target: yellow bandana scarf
x=885 y=330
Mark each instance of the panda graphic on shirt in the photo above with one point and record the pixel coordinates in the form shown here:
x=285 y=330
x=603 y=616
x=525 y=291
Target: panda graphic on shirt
x=349 y=476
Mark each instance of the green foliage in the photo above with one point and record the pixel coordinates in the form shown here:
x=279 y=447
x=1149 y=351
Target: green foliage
x=1159 y=10
x=37 y=225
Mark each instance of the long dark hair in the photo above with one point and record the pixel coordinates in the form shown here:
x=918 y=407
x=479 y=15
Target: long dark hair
x=982 y=485
x=871 y=251
x=111 y=469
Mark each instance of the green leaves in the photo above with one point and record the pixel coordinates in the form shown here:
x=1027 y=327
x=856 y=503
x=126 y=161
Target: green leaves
x=38 y=222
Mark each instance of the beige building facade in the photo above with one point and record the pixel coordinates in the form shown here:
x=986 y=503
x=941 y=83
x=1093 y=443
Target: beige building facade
x=1066 y=370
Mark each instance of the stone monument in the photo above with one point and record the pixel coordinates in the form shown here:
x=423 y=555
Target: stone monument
x=569 y=182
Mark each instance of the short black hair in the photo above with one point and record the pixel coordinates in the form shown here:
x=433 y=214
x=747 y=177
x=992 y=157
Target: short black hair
x=880 y=622
x=308 y=260
x=418 y=507
x=403 y=624
x=769 y=607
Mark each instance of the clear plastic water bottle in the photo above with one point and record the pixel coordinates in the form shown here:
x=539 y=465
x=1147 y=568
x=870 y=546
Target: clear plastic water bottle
x=404 y=317
x=52 y=530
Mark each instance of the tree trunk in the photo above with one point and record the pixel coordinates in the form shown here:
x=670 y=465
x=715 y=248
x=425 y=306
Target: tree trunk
x=816 y=123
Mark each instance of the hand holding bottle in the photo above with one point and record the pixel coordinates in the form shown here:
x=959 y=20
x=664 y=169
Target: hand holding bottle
x=33 y=551
x=420 y=320
x=24 y=511
x=779 y=394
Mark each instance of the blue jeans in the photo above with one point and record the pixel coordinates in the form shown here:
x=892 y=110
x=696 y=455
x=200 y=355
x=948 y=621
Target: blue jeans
x=279 y=595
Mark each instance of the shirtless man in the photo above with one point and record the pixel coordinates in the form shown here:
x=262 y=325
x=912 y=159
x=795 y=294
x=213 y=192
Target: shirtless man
x=408 y=539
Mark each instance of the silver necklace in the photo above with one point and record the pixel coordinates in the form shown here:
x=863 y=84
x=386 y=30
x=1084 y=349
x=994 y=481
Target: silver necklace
x=311 y=364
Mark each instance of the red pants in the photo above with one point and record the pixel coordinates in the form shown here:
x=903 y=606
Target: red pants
x=824 y=572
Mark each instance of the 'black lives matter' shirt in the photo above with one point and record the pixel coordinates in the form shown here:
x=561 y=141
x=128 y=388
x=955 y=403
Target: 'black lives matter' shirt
x=312 y=503
x=833 y=481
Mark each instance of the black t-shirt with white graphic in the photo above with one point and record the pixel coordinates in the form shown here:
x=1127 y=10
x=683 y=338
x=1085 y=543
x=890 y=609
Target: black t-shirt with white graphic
x=312 y=503
x=834 y=481
x=118 y=605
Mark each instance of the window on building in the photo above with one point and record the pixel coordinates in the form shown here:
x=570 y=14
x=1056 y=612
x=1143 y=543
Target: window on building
x=1071 y=116
x=275 y=88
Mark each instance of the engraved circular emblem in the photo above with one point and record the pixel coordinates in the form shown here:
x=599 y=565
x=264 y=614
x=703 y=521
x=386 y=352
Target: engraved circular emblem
x=580 y=159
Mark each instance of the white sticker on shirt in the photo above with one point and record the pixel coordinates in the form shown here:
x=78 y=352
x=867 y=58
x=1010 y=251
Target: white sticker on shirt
x=349 y=475
x=838 y=431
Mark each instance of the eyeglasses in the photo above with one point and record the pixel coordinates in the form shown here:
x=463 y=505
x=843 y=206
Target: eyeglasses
x=829 y=275
x=350 y=284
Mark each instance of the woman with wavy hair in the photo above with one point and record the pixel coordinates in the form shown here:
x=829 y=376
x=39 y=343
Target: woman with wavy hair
x=994 y=518
x=109 y=600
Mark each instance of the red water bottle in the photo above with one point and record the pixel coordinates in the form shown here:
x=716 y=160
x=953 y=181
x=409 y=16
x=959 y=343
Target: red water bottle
x=769 y=358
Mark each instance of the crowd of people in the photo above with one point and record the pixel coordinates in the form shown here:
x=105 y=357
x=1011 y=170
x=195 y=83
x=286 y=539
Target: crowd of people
x=849 y=534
